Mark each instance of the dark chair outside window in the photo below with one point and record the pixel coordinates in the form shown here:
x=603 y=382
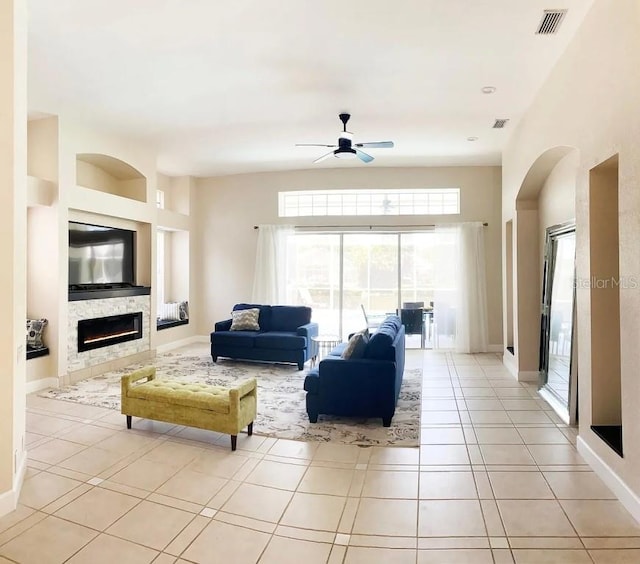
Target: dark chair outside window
x=413 y=321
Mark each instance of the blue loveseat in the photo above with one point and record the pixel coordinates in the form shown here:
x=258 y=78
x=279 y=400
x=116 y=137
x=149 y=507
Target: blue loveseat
x=366 y=386
x=284 y=336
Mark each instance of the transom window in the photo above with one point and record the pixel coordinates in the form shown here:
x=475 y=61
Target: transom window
x=422 y=201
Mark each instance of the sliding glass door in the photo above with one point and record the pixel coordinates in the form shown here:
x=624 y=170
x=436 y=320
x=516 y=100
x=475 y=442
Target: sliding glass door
x=337 y=274
x=370 y=277
x=313 y=277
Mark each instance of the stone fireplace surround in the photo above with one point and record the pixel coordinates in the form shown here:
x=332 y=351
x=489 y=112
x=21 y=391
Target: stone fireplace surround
x=89 y=363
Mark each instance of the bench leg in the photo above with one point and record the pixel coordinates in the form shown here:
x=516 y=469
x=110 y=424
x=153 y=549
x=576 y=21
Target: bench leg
x=128 y=421
x=234 y=439
x=250 y=429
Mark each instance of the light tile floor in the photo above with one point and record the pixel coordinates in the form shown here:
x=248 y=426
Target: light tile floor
x=496 y=479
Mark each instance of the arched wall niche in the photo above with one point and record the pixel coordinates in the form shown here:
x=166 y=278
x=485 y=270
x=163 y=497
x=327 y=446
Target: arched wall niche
x=111 y=175
x=545 y=197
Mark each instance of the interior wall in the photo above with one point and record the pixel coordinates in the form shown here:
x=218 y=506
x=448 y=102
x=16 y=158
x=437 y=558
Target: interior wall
x=42 y=258
x=589 y=102
x=13 y=286
x=557 y=199
x=228 y=207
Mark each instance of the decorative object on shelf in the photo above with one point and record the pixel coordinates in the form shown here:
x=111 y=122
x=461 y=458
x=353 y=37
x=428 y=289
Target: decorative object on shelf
x=35 y=329
x=174 y=311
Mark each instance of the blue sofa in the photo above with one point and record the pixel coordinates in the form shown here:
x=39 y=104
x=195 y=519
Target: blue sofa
x=367 y=386
x=284 y=336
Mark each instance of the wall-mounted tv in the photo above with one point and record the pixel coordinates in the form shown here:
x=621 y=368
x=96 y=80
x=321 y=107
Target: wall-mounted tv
x=101 y=255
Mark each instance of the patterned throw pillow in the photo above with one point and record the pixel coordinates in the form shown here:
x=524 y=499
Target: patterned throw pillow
x=169 y=312
x=245 y=320
x=183 y=310
x=35 y=328
x=357 y=345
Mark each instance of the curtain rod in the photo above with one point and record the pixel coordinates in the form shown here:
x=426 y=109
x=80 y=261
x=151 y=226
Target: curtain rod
x=370 y=227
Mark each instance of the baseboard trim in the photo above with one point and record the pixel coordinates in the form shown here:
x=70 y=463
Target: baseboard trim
x=182 y=342
x=495 y=348
x=626 y=496
x=528 y=375
x=510 y=362
x=41 y=384
x=9 y=500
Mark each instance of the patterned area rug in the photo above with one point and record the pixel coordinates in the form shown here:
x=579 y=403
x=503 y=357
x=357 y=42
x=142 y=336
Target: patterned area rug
x=281 y=399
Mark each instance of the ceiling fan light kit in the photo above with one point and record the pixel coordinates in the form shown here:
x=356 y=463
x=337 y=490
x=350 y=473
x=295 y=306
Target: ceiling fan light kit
x=345 y=147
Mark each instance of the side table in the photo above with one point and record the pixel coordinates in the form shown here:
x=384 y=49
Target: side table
x=323 y=344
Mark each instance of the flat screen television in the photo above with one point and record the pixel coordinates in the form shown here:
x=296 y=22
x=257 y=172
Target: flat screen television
x=100 y=255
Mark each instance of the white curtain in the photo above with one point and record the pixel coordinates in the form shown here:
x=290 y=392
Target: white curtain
x=460 y=298
x=269 y=282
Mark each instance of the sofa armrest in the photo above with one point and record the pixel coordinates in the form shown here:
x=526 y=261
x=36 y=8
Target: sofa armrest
x=223 y=325
x=308 y=330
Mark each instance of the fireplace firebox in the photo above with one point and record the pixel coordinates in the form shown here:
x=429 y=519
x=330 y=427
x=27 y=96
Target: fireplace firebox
x=105 y=331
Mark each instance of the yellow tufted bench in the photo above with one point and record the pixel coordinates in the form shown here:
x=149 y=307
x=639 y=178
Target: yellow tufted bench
x=225 y=410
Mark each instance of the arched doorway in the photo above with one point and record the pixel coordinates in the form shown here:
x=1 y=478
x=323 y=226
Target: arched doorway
x=546 y=198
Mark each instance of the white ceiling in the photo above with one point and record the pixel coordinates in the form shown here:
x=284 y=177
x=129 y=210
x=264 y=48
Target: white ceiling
x=223 y=87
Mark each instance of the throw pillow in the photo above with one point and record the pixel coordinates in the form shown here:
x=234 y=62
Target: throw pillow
x=356 y=346
x=169 y=312
x=35 y=328
x=183 y=310
x=245 y=320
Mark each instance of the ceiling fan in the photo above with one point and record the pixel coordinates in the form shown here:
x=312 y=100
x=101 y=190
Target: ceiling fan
x=346 y=149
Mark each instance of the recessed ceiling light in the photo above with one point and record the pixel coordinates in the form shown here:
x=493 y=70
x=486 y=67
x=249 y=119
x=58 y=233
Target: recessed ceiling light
x=488 y=89
x=472 y=138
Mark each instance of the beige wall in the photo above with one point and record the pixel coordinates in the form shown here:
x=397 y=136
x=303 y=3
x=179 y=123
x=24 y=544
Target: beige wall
x=590 y=102
x=557 y=199
x=228 y=208
x=13 y=286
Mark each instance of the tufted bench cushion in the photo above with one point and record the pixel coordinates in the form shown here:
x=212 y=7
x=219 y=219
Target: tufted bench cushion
x=216 y=408
x=199 y=396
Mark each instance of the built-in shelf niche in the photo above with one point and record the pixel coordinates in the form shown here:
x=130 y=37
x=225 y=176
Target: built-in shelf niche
x=40 y=192
x=110 y=175
x=509 y=283
x=606 y=397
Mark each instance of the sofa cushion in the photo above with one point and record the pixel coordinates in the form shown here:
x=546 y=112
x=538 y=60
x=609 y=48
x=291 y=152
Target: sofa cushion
x=280 y=340
x=380 y=345
x=289 y=318
x=264 y=319
x=245 y=320
x=234 y=338
x=356 y=346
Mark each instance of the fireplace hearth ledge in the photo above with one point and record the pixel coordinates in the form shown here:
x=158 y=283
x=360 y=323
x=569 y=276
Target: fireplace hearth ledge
x=99 y=369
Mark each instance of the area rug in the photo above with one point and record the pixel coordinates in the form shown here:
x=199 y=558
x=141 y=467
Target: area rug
x=281 y=399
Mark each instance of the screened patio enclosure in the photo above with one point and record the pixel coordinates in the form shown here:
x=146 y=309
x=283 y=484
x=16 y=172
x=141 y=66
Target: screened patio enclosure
x=337 y=274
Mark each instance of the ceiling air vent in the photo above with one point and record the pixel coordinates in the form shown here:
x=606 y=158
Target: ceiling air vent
x=550 y=22
x=499 y=123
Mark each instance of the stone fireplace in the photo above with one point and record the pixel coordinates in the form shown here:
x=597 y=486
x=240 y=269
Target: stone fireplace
x=126 y=339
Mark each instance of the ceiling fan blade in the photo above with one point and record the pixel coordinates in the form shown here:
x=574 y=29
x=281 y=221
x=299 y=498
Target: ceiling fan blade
x=363 y=156
x=313 y=145
x=323 y=157
x=376 y=145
